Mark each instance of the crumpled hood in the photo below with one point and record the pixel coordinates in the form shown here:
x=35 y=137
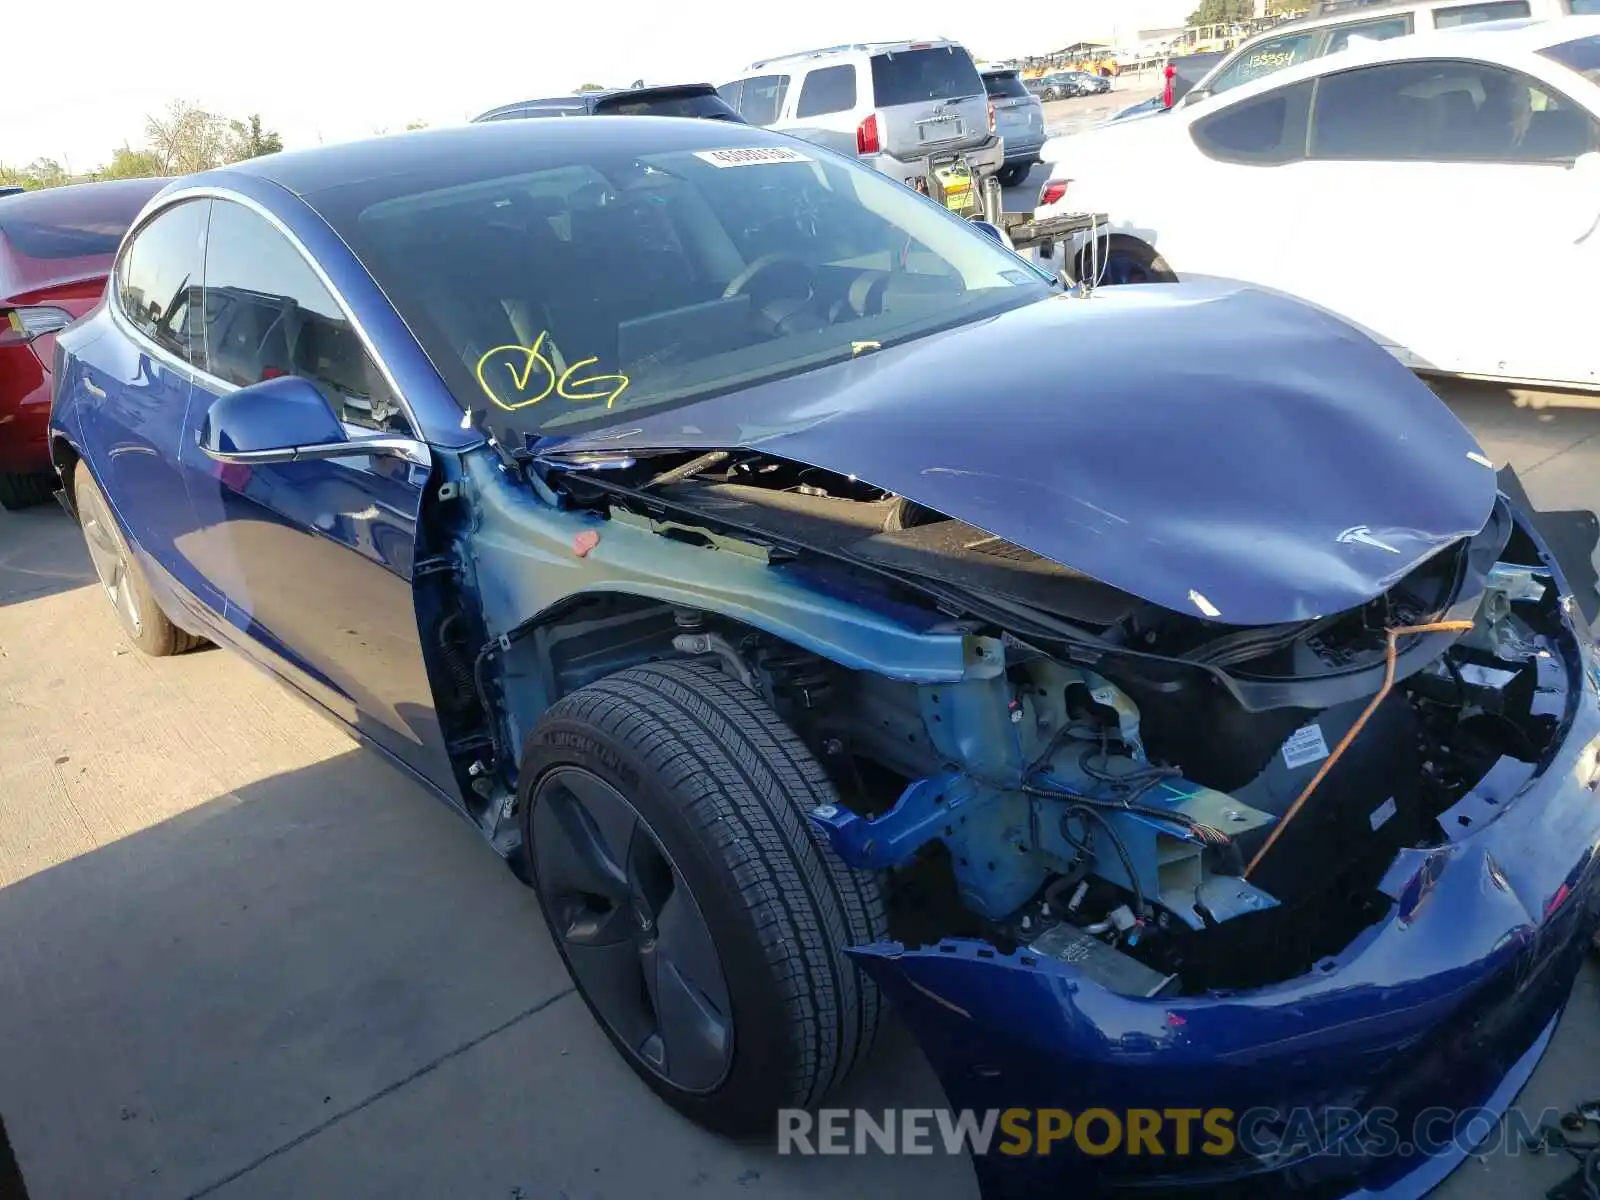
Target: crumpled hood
x=1212 y=448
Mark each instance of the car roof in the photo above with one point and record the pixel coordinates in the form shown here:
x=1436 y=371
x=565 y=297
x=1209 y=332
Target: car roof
x=1490 y=40
x=62 y=224
x=1354 y=12
x=492 y=145
x=590 y=98
x=1361 y=14
x=77 y=199
x=858 y=48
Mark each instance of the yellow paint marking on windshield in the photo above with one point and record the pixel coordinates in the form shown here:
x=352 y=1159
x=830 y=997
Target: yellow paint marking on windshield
x=532 y=377
x=610 y=396
x=520 y=382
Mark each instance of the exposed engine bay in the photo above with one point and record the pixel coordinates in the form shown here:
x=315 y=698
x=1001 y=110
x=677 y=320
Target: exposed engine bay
x=1171 y=803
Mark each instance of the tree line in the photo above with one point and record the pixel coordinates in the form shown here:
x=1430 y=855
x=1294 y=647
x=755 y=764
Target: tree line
x=1222 y=12
x=180 y=141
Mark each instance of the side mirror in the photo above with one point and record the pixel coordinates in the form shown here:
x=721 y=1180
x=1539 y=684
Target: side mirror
x=1585 y=195
x=288 y=419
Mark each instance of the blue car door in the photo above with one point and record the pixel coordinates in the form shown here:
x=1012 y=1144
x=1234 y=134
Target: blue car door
x=313 y=559
x=135 y=390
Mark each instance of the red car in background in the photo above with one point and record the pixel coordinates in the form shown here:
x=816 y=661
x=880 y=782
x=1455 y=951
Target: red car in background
x=56 y=250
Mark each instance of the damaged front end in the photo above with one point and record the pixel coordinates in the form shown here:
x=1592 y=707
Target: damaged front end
x=1343 y=866
x=1142 y=859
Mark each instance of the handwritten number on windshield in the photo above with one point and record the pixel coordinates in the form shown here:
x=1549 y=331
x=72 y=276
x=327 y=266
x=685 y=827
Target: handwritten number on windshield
x=530 y=377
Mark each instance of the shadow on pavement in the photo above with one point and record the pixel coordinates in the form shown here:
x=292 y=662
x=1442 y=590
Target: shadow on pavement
x=324 y=984
x=41 y=553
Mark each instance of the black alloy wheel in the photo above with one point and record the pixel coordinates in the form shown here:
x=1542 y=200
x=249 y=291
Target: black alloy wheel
x=706 y=922
x=632 y=932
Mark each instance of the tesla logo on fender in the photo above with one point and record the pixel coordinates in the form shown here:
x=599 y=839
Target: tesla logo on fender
x=1363 y=535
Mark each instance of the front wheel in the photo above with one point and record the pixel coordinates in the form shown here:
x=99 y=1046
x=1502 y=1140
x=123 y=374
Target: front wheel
x=1013 y=174
x=664 y=815
x=1124 y=260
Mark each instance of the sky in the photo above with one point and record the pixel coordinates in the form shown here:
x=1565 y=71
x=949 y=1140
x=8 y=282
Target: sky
x=333 y=70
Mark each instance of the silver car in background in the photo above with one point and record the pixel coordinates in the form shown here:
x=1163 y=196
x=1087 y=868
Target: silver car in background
x=903 y=108
x=1019 y=120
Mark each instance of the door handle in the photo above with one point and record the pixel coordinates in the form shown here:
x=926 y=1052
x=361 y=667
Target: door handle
x=99 y=393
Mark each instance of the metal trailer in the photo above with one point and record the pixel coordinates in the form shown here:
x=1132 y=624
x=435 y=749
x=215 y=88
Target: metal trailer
x=1018 y=230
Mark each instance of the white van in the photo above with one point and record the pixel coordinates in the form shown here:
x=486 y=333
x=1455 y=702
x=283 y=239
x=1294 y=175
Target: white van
x=1333 y=24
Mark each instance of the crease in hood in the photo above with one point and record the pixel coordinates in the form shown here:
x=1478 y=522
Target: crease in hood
x=1212 y=448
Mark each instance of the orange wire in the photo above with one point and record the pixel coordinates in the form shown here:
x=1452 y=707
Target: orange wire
x=1389 y=656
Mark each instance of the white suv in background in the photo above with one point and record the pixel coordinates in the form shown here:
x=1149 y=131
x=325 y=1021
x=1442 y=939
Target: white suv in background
x=1440 y=191
x=902 y=107
x=1333 y=25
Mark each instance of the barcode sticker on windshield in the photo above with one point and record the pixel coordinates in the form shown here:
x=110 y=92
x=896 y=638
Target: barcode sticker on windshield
x=1305 y=745
x=754 y=157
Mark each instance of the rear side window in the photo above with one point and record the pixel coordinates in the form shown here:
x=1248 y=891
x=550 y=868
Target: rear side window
x=1581 y=55
x=1473 y=14
x=1005 y=85
x=1271 y=55
x=1445 y=112
x=1264 y=131
x=1369 y=31
x=757 y=99
x=912 y=76
x=158 y=278
x=267 y=314
x=1581 y=7
x=828 y=90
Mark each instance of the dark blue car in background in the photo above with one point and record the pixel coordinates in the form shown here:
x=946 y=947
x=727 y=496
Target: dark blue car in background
x=662 y=100
x=1155 y=696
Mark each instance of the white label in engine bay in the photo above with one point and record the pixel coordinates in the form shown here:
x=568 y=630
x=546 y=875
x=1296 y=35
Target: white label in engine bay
x=1382 y=813
x=755 y=156
x=1305 y=745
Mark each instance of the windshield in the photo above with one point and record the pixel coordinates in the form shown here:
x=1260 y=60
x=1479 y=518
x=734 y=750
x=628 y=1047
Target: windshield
x=1582 y=56
x=570 y=293
x=1005 y=85
x=913 y=76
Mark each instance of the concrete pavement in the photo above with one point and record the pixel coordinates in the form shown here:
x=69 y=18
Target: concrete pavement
x=241 y=956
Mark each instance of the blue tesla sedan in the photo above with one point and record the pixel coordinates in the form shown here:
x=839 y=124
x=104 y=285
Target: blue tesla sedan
x=1155 y=695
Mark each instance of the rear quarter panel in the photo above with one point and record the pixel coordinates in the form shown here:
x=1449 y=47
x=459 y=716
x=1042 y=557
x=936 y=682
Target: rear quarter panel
x=25 y=375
